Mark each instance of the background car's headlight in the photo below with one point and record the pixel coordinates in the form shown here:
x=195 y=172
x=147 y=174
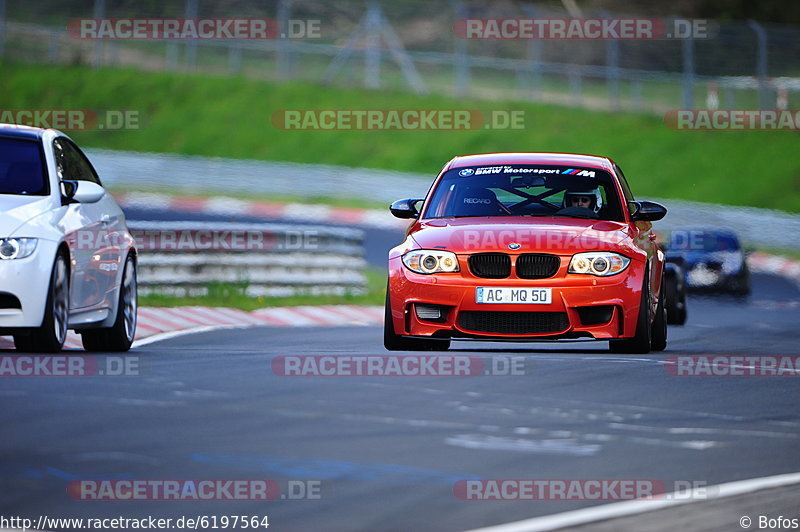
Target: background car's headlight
x=429 y=261
x=16 y=248
x=601 y=264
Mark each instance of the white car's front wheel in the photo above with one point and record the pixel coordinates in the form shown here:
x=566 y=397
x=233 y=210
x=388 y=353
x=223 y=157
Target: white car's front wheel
x=119 y=336
x=50 y=336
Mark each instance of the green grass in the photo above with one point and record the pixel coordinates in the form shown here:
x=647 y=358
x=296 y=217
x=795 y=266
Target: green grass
x=231 y=117
x=232 y=295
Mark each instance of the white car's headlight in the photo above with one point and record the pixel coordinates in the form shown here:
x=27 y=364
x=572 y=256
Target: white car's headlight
x=602 y=264
x=429 y=261
x=16 y=248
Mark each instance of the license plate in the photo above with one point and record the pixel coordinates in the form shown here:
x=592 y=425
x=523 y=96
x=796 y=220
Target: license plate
x=507 y=294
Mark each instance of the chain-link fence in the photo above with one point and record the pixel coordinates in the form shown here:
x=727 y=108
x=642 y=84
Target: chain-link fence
x=414 y=45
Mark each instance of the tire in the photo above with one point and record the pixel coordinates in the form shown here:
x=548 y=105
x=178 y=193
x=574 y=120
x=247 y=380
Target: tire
x=395 y=342
x=672 y=301
x=680 y=319
x=119 y=337
x=658 y=334
x=740 y=286
x=50 y=336
x=641 y=341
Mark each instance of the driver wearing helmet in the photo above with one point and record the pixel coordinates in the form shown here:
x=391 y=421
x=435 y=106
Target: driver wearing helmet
x=589 y=199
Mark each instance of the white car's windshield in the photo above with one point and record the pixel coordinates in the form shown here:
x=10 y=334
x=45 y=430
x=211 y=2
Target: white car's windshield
x=21 y=170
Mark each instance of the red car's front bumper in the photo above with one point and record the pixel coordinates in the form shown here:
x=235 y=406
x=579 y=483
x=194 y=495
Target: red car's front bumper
x=582 y=305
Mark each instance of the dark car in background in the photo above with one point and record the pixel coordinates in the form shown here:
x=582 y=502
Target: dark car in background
x=676 y=290
x=713 y=260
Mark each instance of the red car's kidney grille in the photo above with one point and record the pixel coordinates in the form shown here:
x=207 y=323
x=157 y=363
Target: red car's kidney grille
x=537 y=265
x=500 y=322
x=490 y=265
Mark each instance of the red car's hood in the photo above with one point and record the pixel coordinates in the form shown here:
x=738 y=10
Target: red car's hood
x=540 y=234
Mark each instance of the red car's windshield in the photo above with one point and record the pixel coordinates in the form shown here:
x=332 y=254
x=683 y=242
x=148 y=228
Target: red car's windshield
x=525 y=190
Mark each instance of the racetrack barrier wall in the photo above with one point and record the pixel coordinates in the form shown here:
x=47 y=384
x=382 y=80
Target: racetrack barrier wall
x=270 y=260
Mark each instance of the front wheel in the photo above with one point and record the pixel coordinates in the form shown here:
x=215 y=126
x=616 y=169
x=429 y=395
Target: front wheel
x=658 y=335
x=118 y=337
x=50 y=336
x=395 y=342
x=641 y=341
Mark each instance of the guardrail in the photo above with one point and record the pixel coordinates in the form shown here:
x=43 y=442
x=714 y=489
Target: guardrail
x=756 y=226
x=269 y=260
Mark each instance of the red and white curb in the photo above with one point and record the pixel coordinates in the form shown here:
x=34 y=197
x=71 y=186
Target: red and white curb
x=291 y=211
x=166 y=322
x=765 y=263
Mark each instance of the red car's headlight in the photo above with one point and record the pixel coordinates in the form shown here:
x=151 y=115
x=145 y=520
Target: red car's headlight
x=601 y=264
x=428 y=261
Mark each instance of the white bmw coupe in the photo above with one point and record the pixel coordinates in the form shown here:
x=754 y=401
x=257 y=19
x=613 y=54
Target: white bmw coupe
x=67 y=260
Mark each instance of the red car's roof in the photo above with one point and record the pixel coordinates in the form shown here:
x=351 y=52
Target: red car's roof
x=562 y=159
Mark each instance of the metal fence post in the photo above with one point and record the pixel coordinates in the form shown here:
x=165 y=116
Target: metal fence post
x=97 y=45
x=234 y=58
x=52 y=50
x=171 y=55
x=612 y=69
x=282 y=44
x=2 y=27
x=688 y=73
x=576 y=86
x=461 y=53
x=636 y=93
x=372 y=54
x=534 y=51
x=761 y=68
x=191 y=45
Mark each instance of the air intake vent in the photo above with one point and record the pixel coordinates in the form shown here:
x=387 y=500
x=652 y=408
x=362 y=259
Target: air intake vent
x=537 y=265
x=488 y=321
x=9 y=301
x=595 y=315
x=490 y=265
x=435 y=313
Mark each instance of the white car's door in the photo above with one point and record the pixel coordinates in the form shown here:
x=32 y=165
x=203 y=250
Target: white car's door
x=96 y=255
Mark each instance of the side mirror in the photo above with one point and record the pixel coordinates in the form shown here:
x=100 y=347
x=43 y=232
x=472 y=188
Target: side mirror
x=81 y=192
x=405 y=208
x=68 y=189
x=647 y=211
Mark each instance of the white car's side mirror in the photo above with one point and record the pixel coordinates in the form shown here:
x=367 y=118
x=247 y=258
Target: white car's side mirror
x=82 y=191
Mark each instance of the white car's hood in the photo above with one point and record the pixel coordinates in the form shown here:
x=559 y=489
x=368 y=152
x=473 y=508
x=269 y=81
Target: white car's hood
x=16 y=210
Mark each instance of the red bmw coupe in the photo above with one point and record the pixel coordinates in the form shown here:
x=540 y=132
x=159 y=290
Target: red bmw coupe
x=527 y=247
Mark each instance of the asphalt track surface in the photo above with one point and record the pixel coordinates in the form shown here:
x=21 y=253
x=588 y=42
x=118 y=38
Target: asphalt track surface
x=388 y=450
